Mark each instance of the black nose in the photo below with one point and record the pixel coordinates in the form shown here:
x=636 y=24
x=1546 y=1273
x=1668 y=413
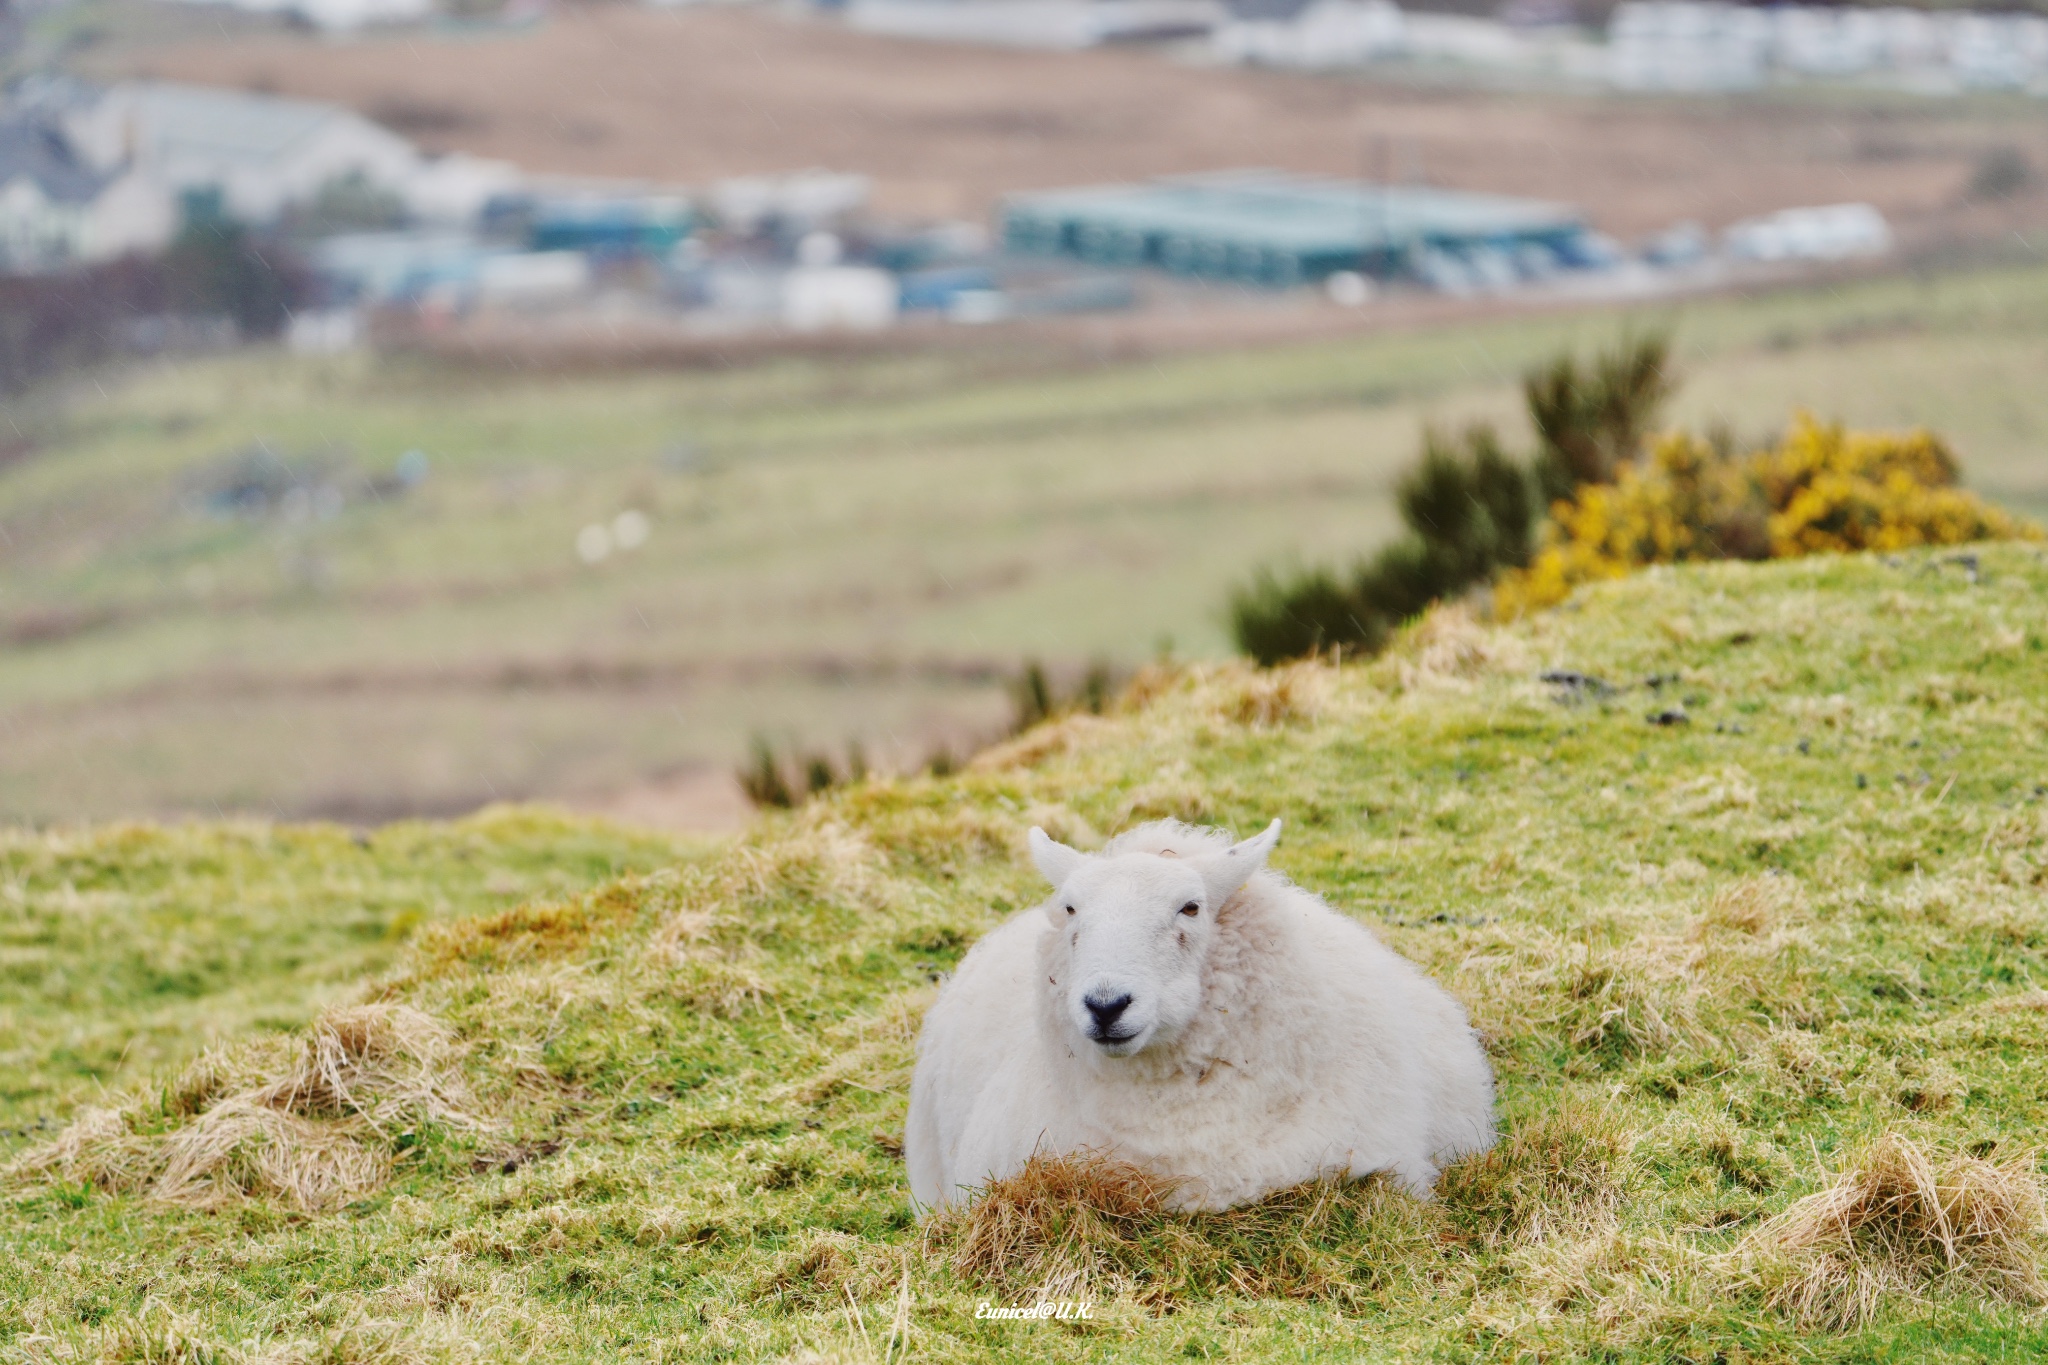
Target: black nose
x=1106 y=1013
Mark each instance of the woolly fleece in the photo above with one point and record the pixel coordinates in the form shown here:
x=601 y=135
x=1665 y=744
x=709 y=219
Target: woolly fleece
x=1311 y=1049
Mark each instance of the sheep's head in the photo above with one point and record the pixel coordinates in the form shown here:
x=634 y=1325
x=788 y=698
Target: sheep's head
x=1135 y=930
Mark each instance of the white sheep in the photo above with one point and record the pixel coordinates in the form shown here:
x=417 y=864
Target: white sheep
x=1177 y=1006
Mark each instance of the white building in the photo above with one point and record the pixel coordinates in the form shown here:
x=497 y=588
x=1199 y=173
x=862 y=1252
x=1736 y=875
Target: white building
x=1323 y=34
x=820 y=298
x=56 y=211
x=1714 y=45
x=1674 y=45
x=1060 y=24
x=260 y=153
x=1834 y=232
x=337 y=16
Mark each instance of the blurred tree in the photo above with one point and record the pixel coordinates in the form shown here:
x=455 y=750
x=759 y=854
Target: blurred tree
x=1470 y=508
x=216 y=268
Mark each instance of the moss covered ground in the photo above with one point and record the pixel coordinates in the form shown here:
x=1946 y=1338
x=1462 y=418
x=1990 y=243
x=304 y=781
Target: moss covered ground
x=1761 y=984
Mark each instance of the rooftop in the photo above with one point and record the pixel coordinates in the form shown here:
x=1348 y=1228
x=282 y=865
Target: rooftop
x=1304 y=214
x=32 y=149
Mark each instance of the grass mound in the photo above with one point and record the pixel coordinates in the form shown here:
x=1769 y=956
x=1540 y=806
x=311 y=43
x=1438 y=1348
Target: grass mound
x=1740 y=870
x=1063 y=1227
x=1900 y=1220
x=317 y=1131
x=1089 y=1227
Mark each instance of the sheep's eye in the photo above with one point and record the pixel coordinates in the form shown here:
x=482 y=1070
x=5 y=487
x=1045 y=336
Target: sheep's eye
x=1070 y=909
x=1191 y=909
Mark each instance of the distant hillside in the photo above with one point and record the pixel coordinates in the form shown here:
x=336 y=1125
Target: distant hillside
x=836 y=550
x=1788 y=945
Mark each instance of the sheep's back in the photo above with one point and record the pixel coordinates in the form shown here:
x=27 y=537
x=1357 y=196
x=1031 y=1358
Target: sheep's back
x=981 y=1020
x=1385 y=1057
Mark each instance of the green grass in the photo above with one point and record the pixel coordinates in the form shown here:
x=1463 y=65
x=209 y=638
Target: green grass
x=1716 y=963
x=125 y=949
x=839 y=538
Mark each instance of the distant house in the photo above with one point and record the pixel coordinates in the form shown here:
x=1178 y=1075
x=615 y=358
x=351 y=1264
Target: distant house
x=259 y=153
x=56 y=210
x=338 y=15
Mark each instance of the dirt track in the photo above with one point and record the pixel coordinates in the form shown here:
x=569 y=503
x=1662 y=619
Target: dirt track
x=690 y=95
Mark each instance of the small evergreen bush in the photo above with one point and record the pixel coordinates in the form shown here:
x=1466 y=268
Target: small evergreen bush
x=1470 y=508
x=1592 y=420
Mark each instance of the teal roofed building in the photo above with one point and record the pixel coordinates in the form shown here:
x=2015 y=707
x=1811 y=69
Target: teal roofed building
x=1278 y=229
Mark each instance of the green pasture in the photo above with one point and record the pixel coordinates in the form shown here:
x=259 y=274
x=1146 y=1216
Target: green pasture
x=842 y=549
x=1722 y=965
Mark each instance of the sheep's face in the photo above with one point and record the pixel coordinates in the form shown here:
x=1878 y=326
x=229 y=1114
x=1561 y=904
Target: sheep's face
x=1135 y=930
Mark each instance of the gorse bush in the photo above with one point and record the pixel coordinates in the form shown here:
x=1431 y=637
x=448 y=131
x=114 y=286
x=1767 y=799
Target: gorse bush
x=1834 y=491
x=1471 y=510
x=1820 y=490
x=1469 y=507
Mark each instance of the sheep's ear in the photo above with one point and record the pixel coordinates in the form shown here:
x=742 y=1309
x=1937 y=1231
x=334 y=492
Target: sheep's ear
x=1056 y=862
x=1223 y=873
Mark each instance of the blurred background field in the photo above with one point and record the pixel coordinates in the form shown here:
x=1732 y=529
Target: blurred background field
x=363 y=587
x=407 y=405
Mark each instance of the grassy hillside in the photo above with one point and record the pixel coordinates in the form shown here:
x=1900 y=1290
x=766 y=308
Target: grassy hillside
x=835 y=550
x=126 y=949
x=1788 y=946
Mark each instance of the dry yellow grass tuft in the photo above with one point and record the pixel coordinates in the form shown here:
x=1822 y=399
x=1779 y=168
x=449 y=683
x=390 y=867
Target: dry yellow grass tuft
x=1899 y=1221
x=1450 y=647
x=1289 y=694
x=1063 y=734
x=1061 y=1228
x=315 y=1131
x=1750 y=906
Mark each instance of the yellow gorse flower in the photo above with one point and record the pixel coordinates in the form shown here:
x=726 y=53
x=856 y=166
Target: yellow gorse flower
x=1822 y=490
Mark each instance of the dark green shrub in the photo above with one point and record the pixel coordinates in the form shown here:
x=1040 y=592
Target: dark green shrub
x=1471 y=509
x=1034 y=697
x=1592 y=419
x=218 y=269
x=762 y=780
x=1275 y=618
x=769 y=779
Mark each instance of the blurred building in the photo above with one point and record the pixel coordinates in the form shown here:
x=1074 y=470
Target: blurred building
x=1273 y=228
x=1316 y=35
x=258 y=153
x=335 y=15
x=57 y=211
x=1833 y=232
x=1067 y=24
x=1713 y=45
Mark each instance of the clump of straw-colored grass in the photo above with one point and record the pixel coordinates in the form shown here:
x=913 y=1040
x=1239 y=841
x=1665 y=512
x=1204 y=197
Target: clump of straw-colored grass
x=1091 y=1226
x=316 y=1131
x=1450 y=648
x=1900 y=1222
x=1285 y=695
x=1062 y=1227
